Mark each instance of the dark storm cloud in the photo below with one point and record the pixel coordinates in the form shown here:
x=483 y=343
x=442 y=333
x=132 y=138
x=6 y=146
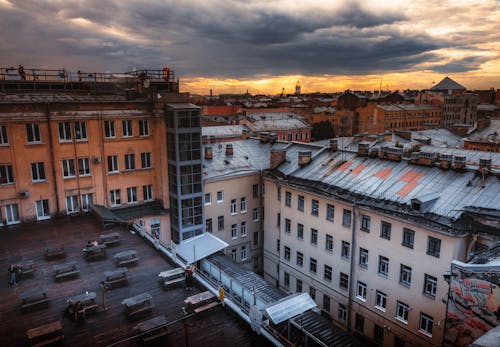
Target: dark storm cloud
x=213 y=39
x=461 y=65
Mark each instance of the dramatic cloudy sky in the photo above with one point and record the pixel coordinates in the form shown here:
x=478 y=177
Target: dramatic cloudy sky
x=262 y=45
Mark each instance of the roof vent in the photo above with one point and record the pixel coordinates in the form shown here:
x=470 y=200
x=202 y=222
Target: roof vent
x=485 y=163
x=277 y=157
x=382 y=152
x=305 y=157
x=445 y=160
x=264 y=137
x=394 y=153
x=363 y=148
x=427 y=158
x=458 y=162
x=229 y=149
x=333 y=145
x=208 y=152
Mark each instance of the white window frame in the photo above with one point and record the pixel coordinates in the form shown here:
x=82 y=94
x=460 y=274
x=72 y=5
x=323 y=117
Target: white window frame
x=87 y=201
x=80 y=131
x=363 y=257
x=38 y=172
x=345 y=250
x=72 y=205
x=12 y=211
x=208 y=199
x=144 y=127
x=65 y=132
x=243 y=228
x=42 y=209
x=115 y=166
x=68 y=168
x=146 y=162
x=383 y=266
x=361 y=291
x=34 y=129
x=234 y=207
x=220 y=196
x=129 y=159
x=4 y=137
x=147 y=192
x=255 y=214
x=329 y=242
x=429 y=322
x=244 y=253
x=127 y=128
x=380 y=300
x=6 y=172
x=114 y=197
x=243 y=205
x=342 y=313
x=109 y=129
x=132 y=195
x=402 y=310
x=405 y=275
x=84 y=166
x=234 y=231
x=430 y=286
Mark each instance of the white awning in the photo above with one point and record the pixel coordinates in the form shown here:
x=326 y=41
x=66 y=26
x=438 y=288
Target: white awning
x=289 y=307
x=199 y=247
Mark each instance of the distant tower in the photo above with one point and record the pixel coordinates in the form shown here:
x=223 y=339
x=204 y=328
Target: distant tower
x=297 y=88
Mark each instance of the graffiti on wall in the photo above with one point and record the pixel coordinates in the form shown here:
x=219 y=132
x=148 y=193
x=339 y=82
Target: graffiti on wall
x=473 y=305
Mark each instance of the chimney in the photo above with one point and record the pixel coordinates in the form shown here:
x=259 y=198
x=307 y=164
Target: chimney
x=264 y=137
x=363 y=148
x=414 y=157
x=485 y=163
x=277 y=157
x=305 y=157
x=208 y=152
x=333 y=145
x=458 y=162
x=427 y=158
x=394 y=153
x=382 y=152
x=445 y=160
x=273 y=137
x=229 y=149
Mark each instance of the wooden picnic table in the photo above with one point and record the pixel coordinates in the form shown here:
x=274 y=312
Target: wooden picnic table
x=95 y=251
x=34 y=297
x=54 y=252
x=171 y=277
x=126 y=257
x=138 y=304
x=26 y=268
x=170 y=273
x=45 y=334
x=65 y=269
x=86 y=298
x=116 y=276
x=201 y=302
x=110 y=238
x=152 y=329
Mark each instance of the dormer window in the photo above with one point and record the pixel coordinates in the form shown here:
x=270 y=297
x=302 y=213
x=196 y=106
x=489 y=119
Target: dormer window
x=415 y=205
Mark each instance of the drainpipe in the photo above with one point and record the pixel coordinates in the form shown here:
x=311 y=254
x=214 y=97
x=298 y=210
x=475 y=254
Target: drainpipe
x=51 y=149
x=261 y=224
x=352 y=266
x=471 y=246
x=77 y=173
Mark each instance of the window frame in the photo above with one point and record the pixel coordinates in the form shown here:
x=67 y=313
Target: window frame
x=33 y=129
x=243 y=229
x=361 y=290
x=114 y=197
x=408 y=238
x=109 y=129
x=313 y=265
x=127 y=128
x=148 y=188
x=300 y=202
x=363 y=255
x=40 y=171
x=383 y=266
x=132 y=197
x=429 y=323
x=299 y=256
x=330 y=212
x=430 y=286
x=433 y=243
x=114 y=163
x=146 y=162
x=385 y=230
x=404 y=309
x=129 y=160
x=144 y=127
x=347 y=218
x=405 y=275
x=314 y=208
x=243 y=205
x=329 y=243
x=365 y=223
x=288 y=199
x=380 y=300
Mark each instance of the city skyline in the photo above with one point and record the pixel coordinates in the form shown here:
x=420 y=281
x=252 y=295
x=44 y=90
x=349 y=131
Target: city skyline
x=263 y=46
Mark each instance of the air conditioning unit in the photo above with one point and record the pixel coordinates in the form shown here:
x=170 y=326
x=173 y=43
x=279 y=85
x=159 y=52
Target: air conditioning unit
x=96 y=160
x=24 y=194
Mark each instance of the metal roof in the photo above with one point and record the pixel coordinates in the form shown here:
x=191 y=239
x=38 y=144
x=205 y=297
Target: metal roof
x=199 y=247
x=447 y=84
x=223 y=130
x=407 y=107
x=289 y=307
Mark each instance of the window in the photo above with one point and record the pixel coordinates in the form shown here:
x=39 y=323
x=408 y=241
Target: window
x=288 y=226
x=385 y=230
x=38 y=172
x=345 y=250
x=80 y=131
x=314 y=236
x=255 y=261
x=4 y=139
x=87 y=201
x=328 y=273
x=300 y=231
x=380 y=300
x=314 y=207
x=127 y=130
x=344 y=281
x=243 y=205
x=405 y=275
x=383 y=265
x=147 y=192
x=112 y=163
x=278 y=245
x=326 y=303
x=359 y=324
x=378 y=335
x=208 y=199
x=255 y=236
x=155 y=228
x=312 y=293
x=109 y=129
x=146 y=160
x=132 y=195
x=129 y=161
x=68 y=168
x=402 y=310
x=363 y=257
x=33 y=133
x=287 y=253
x=64 y=132
x=346 y=218
x=286 y=279
x=433 y=246
x=255 y=214
x=300 y=203
x=42 y=209
x=342 y=315
x=330 y=212
x=278 y=193
x=12 y=214
x=6 y=174
x=255 y=190
x=426 y=323
x=208 y=225
x=300 y=259
x=365 y=223
x=233 y=254
x=115 y=197
x=234 y=231
x=278 y=219
x=430 y=285
x=143 y=127
x=329 y=243
x=234 y=209
x=72 y=204
x=288 y=199
x=408 y=237
x=312 y=265
x=83 y=167
x=298 y=288
x=243 y=253
x=361 y=291
x=243 y=229
x=399 y=342
x=220 y=196
x=220 y=223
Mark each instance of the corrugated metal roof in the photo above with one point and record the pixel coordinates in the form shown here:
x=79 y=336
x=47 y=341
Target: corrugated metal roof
x=407 y=107
x=289 y=307
x=223 y=130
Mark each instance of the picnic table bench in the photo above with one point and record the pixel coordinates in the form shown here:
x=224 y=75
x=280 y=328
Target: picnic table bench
x=32 y=298
x=201 y=302
x=54 y=252
x=45 y=334
x=87 y=300
x=152 y=329
x=26 y=268
x=117 y=276
x=92 y=252
x=171 y=277
x=138 y=304
x=64 y=270
x=126 y=258
x=110 y=238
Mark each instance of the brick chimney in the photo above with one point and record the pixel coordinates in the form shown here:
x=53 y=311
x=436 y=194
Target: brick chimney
x=277 y=157
x=229 y=149
x=445 y=160
x=208 y=152
x=458 y=162
x=363 y=148
x=333 y=145
x=305 y=157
